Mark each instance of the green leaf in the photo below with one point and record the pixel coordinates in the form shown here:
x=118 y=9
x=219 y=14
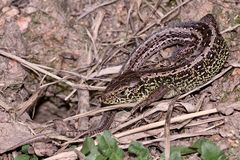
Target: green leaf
x=24 y=148
x=104 y=144
x=23 y=157
x=90 y=150
x=88 y=146
x=174 y=155
x=95 y=156
x=177 y=152
x=197 y=145
x=208 y=150
x=34 y=157
x=139 y=150
x=183 y=150
x=108 y=146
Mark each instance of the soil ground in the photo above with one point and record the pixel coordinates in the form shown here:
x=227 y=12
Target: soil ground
x=57 y=57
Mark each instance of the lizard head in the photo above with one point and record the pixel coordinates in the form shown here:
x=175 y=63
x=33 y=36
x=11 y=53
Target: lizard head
x=122 y=89
x=210 y=20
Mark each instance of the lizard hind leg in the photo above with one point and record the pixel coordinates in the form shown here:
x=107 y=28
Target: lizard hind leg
x=104 y=124
x=154 y=96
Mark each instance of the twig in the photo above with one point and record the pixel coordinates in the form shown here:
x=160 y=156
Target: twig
x=174 y=137
x=106 y=71
x=29 y=103
x=40 y=137
x=143 y=115
x=173 y=10
x=159 y=131
x=167 y=128
x=64 y=71
x=198 y=106
x=197 y=123
x=65 y=155
x=153 y=132
x=93 y=9
x=214 y=126
x=230 y=29
x=33 y=66
x=173 y=120
x=5 y=105
x=154 y=9
x=161 y=123
x=162 y=18
x=104 y=109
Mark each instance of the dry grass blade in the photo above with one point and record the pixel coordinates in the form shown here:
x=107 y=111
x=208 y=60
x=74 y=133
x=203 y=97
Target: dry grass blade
x=96 y=111
x=5 y=105
x=106 y=71
x=93 y=42
x=159 y=14
x=173 y=10
x=198 y=106
x=132 y=121
x=152 y=132
x=203 y=121
x=162 y=18
x=37 y=138
x=29 y=103
x=167 y=128
x=209 y=128
x=70 y=155
x=230 y=29
x=159 y=131
x=33 y=66
x=161 y=123
x=97 y=23
x=173 y=120
x=93 y=9
x=174 y=137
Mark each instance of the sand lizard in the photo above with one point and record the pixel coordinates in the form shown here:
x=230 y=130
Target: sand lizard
x=201 y=55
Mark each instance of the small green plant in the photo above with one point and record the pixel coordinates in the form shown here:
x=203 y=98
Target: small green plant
x=25 y=155
x=205 y=148
x=208 y=150
x=177 y=152
x=106 y=149
x=139 y=150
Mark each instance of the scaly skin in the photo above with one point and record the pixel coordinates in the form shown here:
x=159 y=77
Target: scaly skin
x=202 y=54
